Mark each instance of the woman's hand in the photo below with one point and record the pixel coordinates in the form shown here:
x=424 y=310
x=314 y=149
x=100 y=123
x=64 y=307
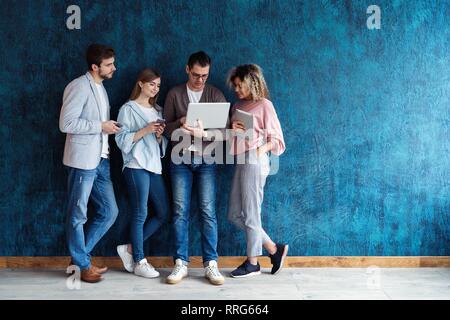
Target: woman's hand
x=152 y=127
x=258 y=152
x=159 y=131
x=264 y=149
x=238 y=126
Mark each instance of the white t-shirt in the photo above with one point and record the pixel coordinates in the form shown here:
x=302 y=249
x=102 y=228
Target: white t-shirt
x=194 y=96
x=104 y=117
x=152 y=115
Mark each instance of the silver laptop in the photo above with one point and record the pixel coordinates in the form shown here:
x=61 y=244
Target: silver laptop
x=214 y=115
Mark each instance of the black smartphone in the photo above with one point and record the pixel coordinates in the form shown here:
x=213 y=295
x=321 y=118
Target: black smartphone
x=162 y=121
x=118 y=124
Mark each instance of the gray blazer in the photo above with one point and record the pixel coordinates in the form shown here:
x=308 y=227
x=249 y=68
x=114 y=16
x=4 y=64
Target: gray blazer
x=80 y=119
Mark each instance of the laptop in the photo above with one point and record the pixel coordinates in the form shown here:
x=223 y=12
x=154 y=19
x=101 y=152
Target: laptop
x=214 y=115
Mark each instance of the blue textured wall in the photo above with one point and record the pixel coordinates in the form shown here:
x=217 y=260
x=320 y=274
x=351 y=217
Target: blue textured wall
x=365 y=113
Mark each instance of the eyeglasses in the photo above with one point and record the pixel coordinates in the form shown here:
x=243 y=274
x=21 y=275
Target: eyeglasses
x=198 y=76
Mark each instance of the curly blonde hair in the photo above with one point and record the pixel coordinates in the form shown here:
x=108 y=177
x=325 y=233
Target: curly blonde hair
x=252 y=76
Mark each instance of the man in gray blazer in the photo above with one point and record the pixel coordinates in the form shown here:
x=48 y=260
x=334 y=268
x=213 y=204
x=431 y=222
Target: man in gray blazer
x=85 y=119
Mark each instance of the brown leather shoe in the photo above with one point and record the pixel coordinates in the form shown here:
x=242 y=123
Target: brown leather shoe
x=96 y=269
x=99 y=269
x=88 y=275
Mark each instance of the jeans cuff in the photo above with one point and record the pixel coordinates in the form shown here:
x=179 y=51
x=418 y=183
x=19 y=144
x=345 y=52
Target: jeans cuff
x=205 y=263
x=185 y=263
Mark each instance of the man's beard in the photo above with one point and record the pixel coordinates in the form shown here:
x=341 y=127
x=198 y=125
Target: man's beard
x=106 y=76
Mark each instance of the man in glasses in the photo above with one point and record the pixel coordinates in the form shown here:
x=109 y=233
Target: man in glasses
x=202 y=172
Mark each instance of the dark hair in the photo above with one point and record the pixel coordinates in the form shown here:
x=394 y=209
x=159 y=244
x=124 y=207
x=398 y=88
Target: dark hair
x=200 y=58
x=96 y=53
x=146 y=75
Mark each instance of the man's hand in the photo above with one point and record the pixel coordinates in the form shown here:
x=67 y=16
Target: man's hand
x=197 y=131
x=110 y=127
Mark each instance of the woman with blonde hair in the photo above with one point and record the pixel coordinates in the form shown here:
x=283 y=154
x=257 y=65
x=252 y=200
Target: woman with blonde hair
x=247 y=190
x=143 y=145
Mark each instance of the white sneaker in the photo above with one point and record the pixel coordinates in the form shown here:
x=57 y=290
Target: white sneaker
x=179 y=272
x=212 y=273
x=145 y=269
x=126 y=257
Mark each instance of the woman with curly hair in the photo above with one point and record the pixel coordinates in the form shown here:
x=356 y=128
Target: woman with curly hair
x=247 y=190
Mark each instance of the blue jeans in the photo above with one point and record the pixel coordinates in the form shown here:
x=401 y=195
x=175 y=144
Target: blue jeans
x=144 y=185
x=83 y=185
x=182 y=178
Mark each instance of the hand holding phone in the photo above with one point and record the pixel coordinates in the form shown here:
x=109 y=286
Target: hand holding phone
x=161 y=126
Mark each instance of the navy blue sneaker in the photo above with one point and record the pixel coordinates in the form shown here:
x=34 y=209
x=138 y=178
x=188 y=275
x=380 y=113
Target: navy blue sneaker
x=246 y=270
x=277 y=259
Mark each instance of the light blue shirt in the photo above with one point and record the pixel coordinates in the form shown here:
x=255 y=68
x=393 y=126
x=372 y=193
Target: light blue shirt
x=147 y=152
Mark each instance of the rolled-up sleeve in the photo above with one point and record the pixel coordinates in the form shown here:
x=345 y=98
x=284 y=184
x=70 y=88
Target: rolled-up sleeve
x=124 y=138
x=274 y=134
x=164 y=142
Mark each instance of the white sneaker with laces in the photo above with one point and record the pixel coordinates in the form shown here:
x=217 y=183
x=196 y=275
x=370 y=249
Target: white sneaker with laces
x=145 y=269
x=126 y=257
x=179 y=272
x=212 y=273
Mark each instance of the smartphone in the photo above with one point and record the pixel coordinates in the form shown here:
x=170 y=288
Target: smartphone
x=161 y=121
x=118 y=124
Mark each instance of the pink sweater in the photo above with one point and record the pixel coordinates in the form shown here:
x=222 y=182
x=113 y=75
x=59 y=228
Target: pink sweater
x=266 y=125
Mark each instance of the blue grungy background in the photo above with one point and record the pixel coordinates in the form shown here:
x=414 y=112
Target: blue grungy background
x=365 y=114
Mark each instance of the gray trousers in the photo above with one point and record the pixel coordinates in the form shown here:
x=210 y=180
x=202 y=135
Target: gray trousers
x=246 y=197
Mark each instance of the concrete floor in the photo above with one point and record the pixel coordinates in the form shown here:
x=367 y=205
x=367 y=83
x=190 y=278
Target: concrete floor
x=290 y=283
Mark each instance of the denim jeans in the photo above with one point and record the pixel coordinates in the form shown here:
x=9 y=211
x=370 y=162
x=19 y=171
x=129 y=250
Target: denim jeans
x=182 y=176
x=83 y=185
x=144 y=185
